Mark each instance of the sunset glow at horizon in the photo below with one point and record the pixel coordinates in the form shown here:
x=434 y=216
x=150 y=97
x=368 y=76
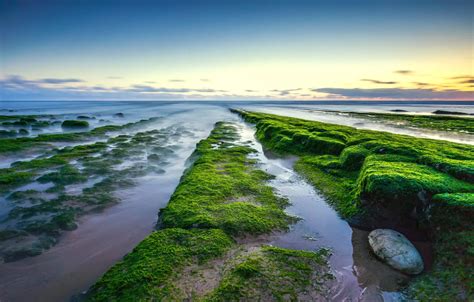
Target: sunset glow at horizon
x=289 y=50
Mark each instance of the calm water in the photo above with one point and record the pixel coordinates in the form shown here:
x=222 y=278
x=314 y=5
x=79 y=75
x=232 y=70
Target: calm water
x=83 y=255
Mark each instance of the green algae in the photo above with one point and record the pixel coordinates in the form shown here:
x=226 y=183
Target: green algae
x=335 y=184
x=143 y=274
x=276 y=274
x=375 y=166
x=39 y=217
x=402 y=183
x=224 y=190
x=450 y=278
x=9 y=178
x=66 y=175
x=9 y=145
x=74 y=124
x=442 y=123
x=222 y=196
x=397 y=172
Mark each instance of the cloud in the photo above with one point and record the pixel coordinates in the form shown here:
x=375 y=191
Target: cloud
x=151 y=89
x=404 y=71
x=421 y=83
x=205 y=80
x=283 y=92
x=176 y=80
x=114 y=78
x=59 y=81
x=379 y=82
x=16 y=81
x=15 y=87
x=396 y=93
x=462 y=77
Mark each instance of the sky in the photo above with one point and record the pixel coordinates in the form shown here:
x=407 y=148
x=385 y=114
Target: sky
x=192 y=50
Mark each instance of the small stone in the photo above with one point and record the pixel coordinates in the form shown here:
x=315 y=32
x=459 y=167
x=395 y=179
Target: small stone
x=396 y=250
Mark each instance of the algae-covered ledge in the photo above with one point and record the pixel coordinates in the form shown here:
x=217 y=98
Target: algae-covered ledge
x=210 y=245
x=377 y=179
x=46 y=196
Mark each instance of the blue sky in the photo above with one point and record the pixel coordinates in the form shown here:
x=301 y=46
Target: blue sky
x=236 y=50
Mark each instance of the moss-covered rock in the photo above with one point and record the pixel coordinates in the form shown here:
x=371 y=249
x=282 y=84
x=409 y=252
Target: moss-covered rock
x=403 y=184
x=276 y=274
x=74 y=124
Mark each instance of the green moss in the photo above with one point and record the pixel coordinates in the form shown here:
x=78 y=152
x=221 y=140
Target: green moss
x=450 y=278
x=20 y=117
x=143 y=274
x=401 y=183
x=456 y=199
x=64 y=176
x=443 y=123
x=379 y=167
x=74 y=124
x=22 y=143
x=382 y=170
x=39 y=163
x=221 y=194
x=224 y=190
x=10 y=178
x=275 y=274
x=353 y=157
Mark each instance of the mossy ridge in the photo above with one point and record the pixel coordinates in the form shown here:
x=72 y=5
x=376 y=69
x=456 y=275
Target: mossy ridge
x=222 y=192
x=369 y=152
x=435 y=122
x=9 y=145
x=382 y=168
x=223 y=189
x=276 y=274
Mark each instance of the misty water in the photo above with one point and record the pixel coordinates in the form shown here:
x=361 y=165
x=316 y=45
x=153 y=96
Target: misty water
x=81 y=256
